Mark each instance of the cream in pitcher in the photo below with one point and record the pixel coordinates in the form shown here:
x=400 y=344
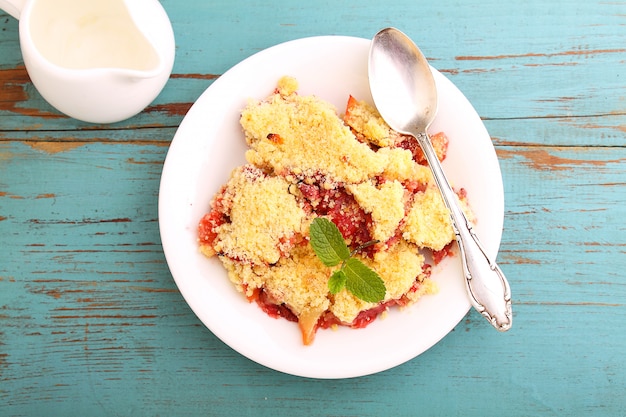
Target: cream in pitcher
x=99 y=61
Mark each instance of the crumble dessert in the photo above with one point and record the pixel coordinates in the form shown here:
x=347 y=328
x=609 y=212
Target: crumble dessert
x=305 y=161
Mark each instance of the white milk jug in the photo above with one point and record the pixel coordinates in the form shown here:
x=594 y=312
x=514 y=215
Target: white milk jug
x=99 y=61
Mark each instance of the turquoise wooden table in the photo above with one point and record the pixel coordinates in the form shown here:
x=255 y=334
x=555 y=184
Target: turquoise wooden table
x=92 y=323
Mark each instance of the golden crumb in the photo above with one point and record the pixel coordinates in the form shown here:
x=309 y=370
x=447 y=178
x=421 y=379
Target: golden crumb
x=401 y=166
x=428 y=223
x=314 y=140
x=287 y=85
x=398 y=267
x=262 y=212
x=367 y=121
x=426 y=287
x=385 y=203
x=299 y=281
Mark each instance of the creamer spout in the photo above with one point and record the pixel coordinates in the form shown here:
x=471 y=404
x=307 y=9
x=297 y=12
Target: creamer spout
x=12 y=7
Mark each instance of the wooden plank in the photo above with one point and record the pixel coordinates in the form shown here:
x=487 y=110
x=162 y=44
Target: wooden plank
x=89 y=283
x=549 y=73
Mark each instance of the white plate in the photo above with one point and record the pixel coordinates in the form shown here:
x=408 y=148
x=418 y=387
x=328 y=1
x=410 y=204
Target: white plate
x=209 y=144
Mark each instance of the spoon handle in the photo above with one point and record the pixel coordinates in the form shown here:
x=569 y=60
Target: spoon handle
x=486 y=285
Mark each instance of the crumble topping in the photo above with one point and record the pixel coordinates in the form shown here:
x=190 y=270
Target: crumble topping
x=275 y=130
x=253 y=235
x=385 y=203
x=305 y=161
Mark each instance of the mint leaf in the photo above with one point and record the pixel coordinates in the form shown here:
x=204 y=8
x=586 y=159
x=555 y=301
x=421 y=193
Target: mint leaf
x=327 y=242
x=330 y=247
x=337 y=281
x=363 y=282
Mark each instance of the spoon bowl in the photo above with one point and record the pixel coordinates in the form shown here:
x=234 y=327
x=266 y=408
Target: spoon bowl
x=405 y=94
x=404 y=84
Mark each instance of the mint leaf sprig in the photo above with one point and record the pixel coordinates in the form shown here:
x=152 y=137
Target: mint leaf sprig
x=330 y=247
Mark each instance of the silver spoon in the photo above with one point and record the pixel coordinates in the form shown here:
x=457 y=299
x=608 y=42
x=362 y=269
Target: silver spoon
x=404 y=91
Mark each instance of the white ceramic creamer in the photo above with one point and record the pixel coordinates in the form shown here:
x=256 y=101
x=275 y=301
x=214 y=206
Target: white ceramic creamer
x=99 y=61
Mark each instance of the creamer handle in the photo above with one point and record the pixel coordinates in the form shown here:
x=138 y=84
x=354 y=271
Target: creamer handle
x=13 y=7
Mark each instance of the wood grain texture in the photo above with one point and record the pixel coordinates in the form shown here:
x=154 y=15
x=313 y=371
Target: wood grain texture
x=92 y=324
